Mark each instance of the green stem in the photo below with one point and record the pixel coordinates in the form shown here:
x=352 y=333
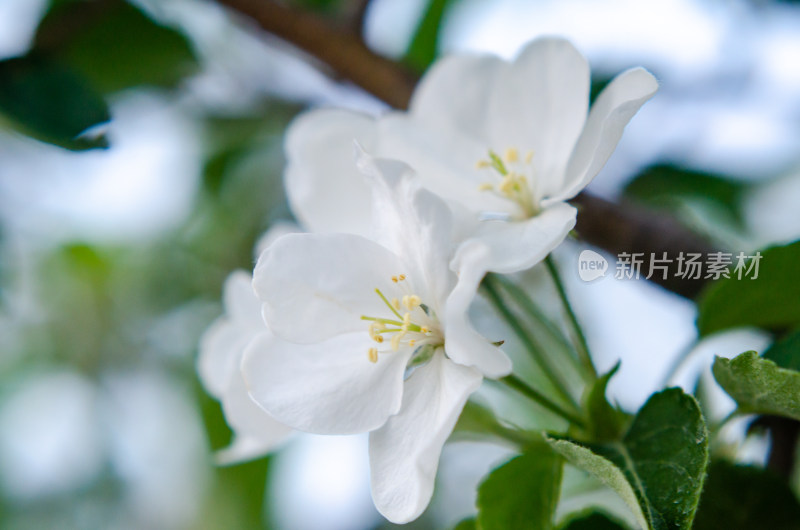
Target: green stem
x=523 y=388
x=519 y=438
x=582 y=346
x=527 y=304
x=528 y=340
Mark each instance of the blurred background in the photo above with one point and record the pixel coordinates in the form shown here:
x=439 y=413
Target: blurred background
x=114 y=244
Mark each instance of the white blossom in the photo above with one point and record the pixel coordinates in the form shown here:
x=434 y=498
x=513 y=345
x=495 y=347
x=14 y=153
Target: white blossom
x=508 y=143
x=375 y=336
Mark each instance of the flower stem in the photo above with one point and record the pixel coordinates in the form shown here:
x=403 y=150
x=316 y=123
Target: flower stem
x=528 y=340
x=582 y=346
x=523 y=388
x=524 y=301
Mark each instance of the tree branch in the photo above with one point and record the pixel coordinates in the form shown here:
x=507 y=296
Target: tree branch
x=613 y=227
x=339 y=48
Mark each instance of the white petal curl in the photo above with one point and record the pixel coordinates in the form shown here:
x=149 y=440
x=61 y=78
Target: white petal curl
x=611 y=112
x=515 y=246
x=464 y=344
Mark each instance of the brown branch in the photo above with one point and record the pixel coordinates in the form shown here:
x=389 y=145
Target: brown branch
x=358 y=11
x=613 y=227
x=341 y=49
x=625 y=227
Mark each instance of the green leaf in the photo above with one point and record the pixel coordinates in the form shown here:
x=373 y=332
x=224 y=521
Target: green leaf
x=466 y=524
x=114 y=45
x=739 y=497
x=758 y=385
x=771 y=301
x=668 y=186
x=423 y=49
x=604 y=422
x=523 y=493
x=591 y=521
x=659 y=466
x=786 y=352
x=50 y=102
x=603 y=469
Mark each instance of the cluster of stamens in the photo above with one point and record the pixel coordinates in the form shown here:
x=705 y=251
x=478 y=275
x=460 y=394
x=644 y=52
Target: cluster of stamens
x=513 y=184
x=412 y=327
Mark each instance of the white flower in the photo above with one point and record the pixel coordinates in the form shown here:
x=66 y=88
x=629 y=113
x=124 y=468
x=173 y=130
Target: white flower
x=509 y=142
x=381 y=341
x=221 y=349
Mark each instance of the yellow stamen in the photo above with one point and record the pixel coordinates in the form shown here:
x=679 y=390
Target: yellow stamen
x=412 y=342
x=401 y=277
x=410 y=302
x=395 y=279
x=395 y=303
x=512 y=155
x=396 y=340
x=507 y=184
x=424 y=330
x=372 y=355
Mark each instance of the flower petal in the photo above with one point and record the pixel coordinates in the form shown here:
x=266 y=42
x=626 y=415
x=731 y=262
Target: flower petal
x=516 y=246
x=404 y=453
x=540 y=104
x=276 y=230
x=611 y=112
x=222 y=344
x=464 y=344
x=256 y=432
x=413 y=223
x=453 y=94
x=241 y=449
x=241 y=303
x=445 y=162
x=218 y=354
x=316 y=286
x=325 y=190
x=326 y=388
